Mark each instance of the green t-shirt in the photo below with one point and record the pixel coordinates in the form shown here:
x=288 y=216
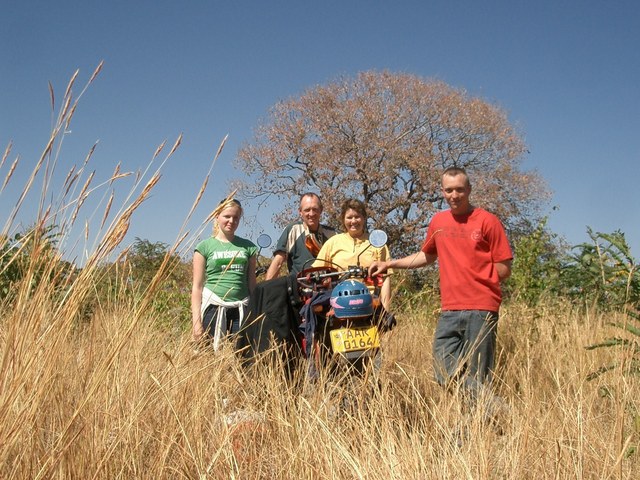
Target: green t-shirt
x=226 y=266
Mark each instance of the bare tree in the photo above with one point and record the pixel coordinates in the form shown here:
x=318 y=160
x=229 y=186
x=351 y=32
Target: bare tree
x=385 y=138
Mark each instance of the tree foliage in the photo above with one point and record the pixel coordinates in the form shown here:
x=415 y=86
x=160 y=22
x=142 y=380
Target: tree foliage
x=385 y=138
x=148 y=270
x=536 y=266
x=145 y=259
x=30 y=257
x=144 y=262
x=603 y=272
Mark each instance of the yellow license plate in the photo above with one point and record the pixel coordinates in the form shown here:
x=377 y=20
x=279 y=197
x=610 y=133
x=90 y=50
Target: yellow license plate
x=346 y=340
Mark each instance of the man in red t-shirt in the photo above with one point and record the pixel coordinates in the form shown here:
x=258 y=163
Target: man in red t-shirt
x=473 y=256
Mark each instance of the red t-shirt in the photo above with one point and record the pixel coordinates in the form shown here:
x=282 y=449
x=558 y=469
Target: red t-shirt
x=467 y=247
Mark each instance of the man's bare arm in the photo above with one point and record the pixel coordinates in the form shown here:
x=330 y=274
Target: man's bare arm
x=504 y=269
x=416 y=260
x=276 y=263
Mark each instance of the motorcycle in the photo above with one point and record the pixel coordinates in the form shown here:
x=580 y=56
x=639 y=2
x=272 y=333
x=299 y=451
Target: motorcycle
x=341 y=318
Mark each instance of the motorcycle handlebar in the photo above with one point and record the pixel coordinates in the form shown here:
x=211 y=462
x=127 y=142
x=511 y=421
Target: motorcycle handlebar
x=317 y=276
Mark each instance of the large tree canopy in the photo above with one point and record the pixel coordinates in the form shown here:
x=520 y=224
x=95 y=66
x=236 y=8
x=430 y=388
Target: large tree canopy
x=385 y=138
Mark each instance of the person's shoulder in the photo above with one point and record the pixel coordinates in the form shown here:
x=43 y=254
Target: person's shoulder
x=490 y=222
x=441 y=215
x=328 y=230
x=333 y=238
x=293 y=224
x=206 y=246
x=481 y=212
x=339 y=237
x=244 y=242
x=205 y=243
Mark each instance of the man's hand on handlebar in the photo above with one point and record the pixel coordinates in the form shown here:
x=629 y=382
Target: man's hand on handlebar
x=378 y=268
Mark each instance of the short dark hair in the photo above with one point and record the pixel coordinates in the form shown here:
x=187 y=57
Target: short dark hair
x=455 y=171
x=311 y=195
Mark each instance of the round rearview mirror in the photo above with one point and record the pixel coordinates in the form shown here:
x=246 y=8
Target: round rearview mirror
x=378 y=238
x=264 y=240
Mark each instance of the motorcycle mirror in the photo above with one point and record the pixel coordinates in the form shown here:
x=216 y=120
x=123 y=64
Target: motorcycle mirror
x=378 y=238
x=264 y=240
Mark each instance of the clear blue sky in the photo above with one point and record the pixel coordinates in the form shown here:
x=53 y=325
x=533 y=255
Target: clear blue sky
x=567 y=73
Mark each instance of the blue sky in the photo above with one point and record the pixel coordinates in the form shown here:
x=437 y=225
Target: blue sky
x=567 y=73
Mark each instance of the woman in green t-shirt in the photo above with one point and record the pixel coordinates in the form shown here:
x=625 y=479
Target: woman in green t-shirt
x=224 y=274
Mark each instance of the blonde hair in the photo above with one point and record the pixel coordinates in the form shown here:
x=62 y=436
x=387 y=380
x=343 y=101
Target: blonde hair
x=224 y=204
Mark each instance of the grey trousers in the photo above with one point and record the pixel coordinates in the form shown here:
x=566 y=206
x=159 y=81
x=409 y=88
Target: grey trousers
x=464 y=348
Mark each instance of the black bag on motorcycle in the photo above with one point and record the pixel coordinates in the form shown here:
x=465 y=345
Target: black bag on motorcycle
x=272 y=312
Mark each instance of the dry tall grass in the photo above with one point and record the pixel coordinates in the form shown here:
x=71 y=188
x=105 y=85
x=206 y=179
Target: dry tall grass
x=116 y=396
